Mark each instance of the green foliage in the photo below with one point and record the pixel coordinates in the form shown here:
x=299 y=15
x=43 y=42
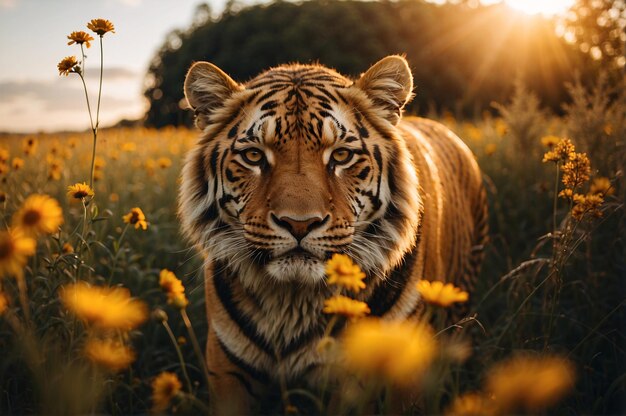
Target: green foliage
x=462 y=58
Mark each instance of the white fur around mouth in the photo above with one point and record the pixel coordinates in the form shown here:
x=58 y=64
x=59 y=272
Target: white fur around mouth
x=300 y=267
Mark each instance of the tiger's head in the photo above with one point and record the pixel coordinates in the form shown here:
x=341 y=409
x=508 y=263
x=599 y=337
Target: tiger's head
x=297 y=164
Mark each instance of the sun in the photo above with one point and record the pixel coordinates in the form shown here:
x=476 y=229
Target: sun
x=545 y=7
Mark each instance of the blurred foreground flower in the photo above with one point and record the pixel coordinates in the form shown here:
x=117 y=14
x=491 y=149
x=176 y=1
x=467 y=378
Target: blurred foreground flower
x=100 y=26
x=137 y=218
x=550 y=141
x=437 y=293
x=80 y=191
x=109 y=354
x=602 y=186
x=67 y=65
x=79 y=38
x=15 y=248
x=472 y=404
x=104 y=307
x=173 y=288
x=343 y=305
x=529 y=383
x=4 y=303
x=398 y=351
x=40 y=214
x=341 y=271
x=164 y=388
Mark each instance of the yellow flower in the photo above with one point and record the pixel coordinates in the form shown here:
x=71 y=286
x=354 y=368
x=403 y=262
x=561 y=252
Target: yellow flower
x=99 y=163
x=67 y=248
x=15 y=248
x=437 y=293
x=79 y=38
x=114 y=197
x=129 y=147
x=471 y=404
x=80 y=191
x=576 y=170
x=602 y=186
x=343 y=305
x=55 y=172
x=100 y=26
x=530 y=383
x=17 y=163
x=29 y=146
x=550 y=141
x=398 y=351
x=109 y=354
x=164 y=388
x=490 y=149
x=587 y=205
x=566 y=193
x=343 y=272
x=4 y=303
x=67 y=65
x=137 y=218
x=561 y=153
x=4 y=154
x=39 y=214
x=104 y=307
x=164 y=162
x=174 y=289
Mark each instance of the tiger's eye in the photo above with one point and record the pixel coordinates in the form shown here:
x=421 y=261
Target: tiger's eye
x=341 y=156
x=253 y=156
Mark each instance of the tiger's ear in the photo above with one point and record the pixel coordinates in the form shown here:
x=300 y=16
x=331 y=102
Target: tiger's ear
x=389 y=84
x=206 y=89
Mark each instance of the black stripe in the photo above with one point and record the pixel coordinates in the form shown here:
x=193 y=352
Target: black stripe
x=256 y=374
x=247 y=327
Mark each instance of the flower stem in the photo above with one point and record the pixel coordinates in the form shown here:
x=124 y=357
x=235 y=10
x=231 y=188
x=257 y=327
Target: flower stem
x=180 y=355
x=117 y=252
x=196 y=346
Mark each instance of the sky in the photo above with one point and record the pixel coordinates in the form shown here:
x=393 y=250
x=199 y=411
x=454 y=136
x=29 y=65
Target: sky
x=33 y=39
x=33 y=97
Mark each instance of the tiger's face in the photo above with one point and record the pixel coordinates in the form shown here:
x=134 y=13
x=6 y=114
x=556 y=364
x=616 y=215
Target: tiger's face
x=298 y=164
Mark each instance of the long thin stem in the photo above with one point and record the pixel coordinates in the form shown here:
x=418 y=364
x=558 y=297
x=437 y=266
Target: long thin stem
x=117 y=252
x=196 y=346
x=554 y=208
x=100 y=87
x=180 y=355
x=82 y=78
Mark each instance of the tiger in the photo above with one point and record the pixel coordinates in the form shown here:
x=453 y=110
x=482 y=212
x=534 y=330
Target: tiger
x=297 y=164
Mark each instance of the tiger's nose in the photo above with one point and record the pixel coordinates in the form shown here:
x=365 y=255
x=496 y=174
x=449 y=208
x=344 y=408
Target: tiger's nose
x=299 y=228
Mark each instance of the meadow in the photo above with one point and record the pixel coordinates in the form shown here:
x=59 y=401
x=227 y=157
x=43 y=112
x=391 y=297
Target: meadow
x=92 y=320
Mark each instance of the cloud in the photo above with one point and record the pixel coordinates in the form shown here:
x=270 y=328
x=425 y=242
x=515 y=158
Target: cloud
x=112 y=74
x=8 y=4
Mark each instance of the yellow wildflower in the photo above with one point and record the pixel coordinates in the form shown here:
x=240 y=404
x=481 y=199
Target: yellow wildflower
x=587 y=205
x=343 y=305
x=4 y=303
x=99 y=163
x=29 y=146
x=68 y=65
x=114 y=197
x=164 y=162
x=343 y=272
x=137 y=218
x=566 y=193
x=129 y=147
x=490 y=149
x=15 y=248
x=576 y=170
x=100 y=26
x=80 y=191
x=550 y=141
x=67 y=248
x=109 y=354
x=173 y=287
x=398 y=351
x=530 y=383
x=104 y=307
x=40 y=214
x=79 y=38
x=602 y=186
x=439 y=294
x=164 y=388
x=471 y=404
x=97 y=175
x=561 y=153
x=4 y=155
x=17 y=163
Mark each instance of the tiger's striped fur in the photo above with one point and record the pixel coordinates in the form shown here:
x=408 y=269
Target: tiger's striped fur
x=267 y=196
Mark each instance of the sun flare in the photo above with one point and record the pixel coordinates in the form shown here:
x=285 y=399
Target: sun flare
x=545 y=7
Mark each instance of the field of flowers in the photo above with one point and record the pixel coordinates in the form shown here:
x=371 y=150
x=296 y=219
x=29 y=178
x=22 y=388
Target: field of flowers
x=102 y=306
